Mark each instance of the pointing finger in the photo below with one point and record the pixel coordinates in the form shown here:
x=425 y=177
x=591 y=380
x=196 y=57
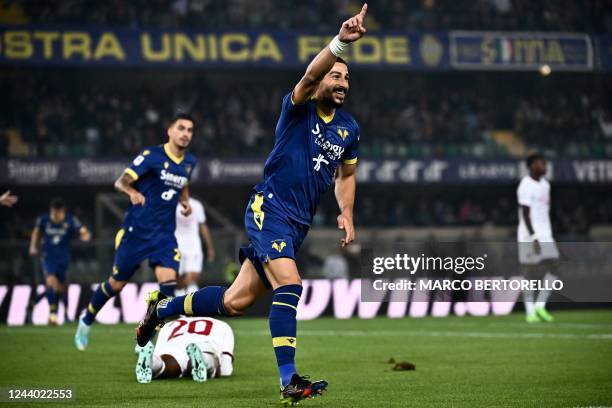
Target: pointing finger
x=364 y=10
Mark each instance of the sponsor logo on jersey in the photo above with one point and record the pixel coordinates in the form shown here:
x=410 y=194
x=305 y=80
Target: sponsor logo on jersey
x=173 y=179
x=318 y=161
x=332 y=151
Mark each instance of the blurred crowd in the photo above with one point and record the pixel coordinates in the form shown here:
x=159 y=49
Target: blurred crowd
x=55 y=114
x=572 y=211
x=323 y=15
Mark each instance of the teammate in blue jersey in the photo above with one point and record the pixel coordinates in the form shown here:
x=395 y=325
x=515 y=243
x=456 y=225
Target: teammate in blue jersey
x=56 y=228
x=155 y=182
x=316 y=142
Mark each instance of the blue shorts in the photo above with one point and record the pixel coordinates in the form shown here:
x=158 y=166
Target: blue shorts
x=55 y=268
x=271 y=235
x=131 y=250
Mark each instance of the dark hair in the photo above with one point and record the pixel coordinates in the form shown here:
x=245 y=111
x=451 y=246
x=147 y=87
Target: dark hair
x=341 y=60
x=532 y=158
x=58 y=203
x=182 y=115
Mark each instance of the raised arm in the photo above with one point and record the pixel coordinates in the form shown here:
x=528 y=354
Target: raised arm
x=351 y=30
x=346 y=185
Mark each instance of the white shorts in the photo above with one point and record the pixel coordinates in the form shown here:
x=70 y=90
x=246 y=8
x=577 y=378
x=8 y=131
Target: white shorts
x=528 y=256
x=191 y=262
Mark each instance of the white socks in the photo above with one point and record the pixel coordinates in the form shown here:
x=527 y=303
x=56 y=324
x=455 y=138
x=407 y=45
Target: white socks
x=544 y=294
x=529 y=305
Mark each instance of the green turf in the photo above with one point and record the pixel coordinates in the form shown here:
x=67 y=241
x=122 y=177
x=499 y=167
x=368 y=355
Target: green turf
x=470 y=361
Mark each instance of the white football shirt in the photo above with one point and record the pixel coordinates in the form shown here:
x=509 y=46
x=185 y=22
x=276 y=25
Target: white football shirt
x=535 y=195
x=210 y=335
x=188 y=228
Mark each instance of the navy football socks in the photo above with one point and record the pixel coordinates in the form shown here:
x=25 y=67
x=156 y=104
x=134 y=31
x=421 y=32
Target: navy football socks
x=207 y=301
x=98 y=300
x=168 y=287
x=283 y=328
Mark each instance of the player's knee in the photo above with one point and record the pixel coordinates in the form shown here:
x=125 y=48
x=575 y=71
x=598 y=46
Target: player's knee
x=116 y=285
x=237 y=307
x=287 y=279
x=52 y=282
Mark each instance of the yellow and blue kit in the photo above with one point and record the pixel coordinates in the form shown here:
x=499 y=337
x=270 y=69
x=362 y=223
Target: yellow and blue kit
x=56 y=243
x=147 y=230
x=308 y=148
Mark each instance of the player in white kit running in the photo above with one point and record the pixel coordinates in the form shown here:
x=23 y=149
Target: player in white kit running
x=537 y=249
x=200 y=346
x=188 y=231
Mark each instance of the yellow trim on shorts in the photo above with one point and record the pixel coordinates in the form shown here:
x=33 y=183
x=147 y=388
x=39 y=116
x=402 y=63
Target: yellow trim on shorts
x=258 y=214
x=118 y=237
x=350 y=161
x=284 y=342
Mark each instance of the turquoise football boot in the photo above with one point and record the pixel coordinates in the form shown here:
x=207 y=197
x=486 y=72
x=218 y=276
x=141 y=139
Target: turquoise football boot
x=144 y=373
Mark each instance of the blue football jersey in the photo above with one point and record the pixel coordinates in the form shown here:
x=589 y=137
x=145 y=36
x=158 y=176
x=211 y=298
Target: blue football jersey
x=307 y=150
x=160 y=178
x=56 y=236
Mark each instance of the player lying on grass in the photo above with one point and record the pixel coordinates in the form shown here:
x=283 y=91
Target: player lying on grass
x=316 y=142
x=202 y=347
x=156 y=182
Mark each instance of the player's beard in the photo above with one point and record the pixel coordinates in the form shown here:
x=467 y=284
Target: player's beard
x=328 y=100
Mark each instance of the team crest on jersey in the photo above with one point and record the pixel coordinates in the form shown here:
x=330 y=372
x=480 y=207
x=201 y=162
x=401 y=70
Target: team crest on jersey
x=166 y=165
x=188 y=168
x=279 y=244
x=343 y=133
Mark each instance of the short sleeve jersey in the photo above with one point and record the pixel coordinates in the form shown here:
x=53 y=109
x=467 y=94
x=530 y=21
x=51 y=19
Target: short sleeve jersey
x=160 y=178
x=307 y=151
x=57 y=235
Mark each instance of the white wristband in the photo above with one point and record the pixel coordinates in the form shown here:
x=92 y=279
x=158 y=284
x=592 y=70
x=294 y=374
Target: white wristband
x=336 y=46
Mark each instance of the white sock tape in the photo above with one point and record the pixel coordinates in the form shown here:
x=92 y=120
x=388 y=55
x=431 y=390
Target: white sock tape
x=337 y=47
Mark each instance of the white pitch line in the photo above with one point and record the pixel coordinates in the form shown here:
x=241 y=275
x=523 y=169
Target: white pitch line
x=437 y=333
x=555 y=325
x=362 y=333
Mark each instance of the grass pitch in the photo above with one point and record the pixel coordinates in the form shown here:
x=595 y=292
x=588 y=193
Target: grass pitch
x=467 y=361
